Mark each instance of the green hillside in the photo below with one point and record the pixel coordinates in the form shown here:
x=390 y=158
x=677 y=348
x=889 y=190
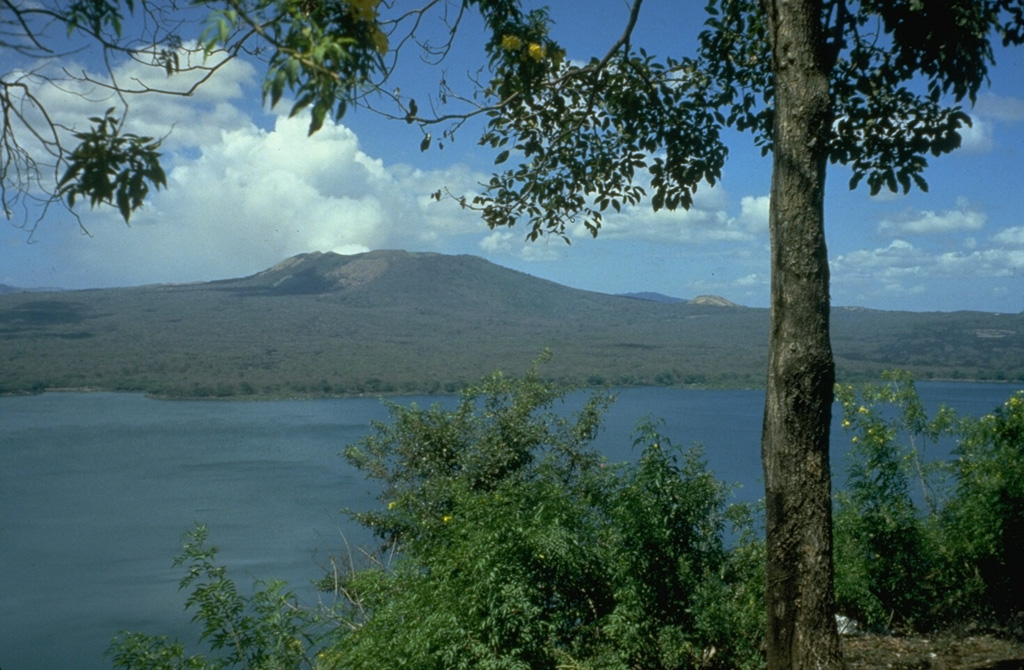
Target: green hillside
x=388 y=321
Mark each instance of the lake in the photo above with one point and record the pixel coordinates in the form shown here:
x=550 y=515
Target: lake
x=96 y=490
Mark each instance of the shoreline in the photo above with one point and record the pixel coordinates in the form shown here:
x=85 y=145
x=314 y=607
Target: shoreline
x=270 y=397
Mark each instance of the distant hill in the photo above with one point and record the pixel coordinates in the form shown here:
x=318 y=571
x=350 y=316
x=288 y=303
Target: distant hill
x=714 y=300
x=654 y=297
x=7 y=288
x=392 y=321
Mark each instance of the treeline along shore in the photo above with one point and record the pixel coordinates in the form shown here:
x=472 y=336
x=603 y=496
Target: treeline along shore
x=386 y=322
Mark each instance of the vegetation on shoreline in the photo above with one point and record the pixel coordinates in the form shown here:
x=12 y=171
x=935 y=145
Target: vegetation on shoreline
x=505 y=541
x=388 y=323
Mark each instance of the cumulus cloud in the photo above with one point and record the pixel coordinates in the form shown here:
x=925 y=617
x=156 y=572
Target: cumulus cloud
x=990 y=110
x=929 y=222
x=254 y=198
x=514 y=244
x=977 y=137
x=1010 y=236
x=175 y=109
x=900 y=265
x=241 y=197
x=707 y=221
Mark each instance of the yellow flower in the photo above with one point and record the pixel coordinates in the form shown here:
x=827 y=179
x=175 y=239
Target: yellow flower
x=446 y=518
x=511 y=43
x=846 y=423
x=363 y=10
x=853 y=439
x=536 y=51
x=380 y=40
x=862 y=409
x=391 y=505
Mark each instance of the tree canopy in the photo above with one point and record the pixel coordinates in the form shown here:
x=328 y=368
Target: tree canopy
x=581 y=136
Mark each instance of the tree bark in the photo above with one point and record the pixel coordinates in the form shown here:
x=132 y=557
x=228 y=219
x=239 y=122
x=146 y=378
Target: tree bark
x=802 y=632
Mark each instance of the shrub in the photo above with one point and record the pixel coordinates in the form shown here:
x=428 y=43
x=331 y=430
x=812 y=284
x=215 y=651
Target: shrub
x=911 y=551
x=985 y=519
x=885 y=550
x=506 y=542
x=263 y=630
x=518 y=546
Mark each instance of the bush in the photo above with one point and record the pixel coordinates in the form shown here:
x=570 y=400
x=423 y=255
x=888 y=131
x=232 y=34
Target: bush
x=985 y=519
x=885 y=550
x=922 y=544
x=263 y=630
x=518 y=546
x=506 y=542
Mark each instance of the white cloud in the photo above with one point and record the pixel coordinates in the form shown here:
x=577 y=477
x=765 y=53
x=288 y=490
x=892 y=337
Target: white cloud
x=185 y=119
x=754 y=214
x=514 y=244
x=285 y=193
x=901 y=265
x=990 y=109
x=900 y=257
x=928 y=222
x=255 y=196
x=751 y=280
x=977 y=137
x=706 y=221
x=1010 y=236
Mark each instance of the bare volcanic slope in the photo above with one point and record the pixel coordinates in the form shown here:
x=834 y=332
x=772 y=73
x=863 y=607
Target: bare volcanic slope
x=392 y=321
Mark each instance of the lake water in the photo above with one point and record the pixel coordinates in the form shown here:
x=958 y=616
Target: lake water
x=96 y=490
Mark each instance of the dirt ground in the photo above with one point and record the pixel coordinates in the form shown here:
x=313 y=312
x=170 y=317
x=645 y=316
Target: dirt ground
x=977 y=652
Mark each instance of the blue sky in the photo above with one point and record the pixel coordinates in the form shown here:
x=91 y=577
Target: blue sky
x=248 y=188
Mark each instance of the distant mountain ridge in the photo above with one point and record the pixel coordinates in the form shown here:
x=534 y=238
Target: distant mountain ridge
x=402 y=322
x=653 y=297
x=7 y=288
x=716 y=300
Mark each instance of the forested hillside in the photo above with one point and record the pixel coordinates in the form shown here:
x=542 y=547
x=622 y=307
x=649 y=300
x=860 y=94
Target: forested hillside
x=398 y=322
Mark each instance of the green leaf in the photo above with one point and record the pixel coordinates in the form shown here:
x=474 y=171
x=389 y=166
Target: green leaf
x=318 y=115
x=300 y=104
x=658 y=201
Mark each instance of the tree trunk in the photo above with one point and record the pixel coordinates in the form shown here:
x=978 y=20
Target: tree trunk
x=798 y=405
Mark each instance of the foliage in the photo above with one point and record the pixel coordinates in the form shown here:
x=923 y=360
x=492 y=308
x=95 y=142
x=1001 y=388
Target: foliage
x=923 y=543
x=986 y=517
x=112 y=167
x=587 y=134
x=885 y=127
x=43 y=161
x=324 y=53
x=508 y=542
x=584 y=137
x=883 y=550
x=263 y=630
x=626 y=113
x=520 y=547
